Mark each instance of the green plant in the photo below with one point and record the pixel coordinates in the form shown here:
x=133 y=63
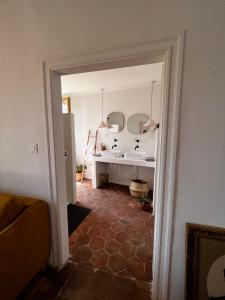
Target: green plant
x=144 y=199
x=145 y=202
x=80 y=168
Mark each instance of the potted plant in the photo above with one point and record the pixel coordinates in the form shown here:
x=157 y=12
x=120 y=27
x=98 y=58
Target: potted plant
x=145 y=202
x=79 y=170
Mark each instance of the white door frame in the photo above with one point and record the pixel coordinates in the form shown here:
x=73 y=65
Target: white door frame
x=169 y=50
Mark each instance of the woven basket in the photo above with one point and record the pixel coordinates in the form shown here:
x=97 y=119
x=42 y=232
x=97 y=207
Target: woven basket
x=139 y=188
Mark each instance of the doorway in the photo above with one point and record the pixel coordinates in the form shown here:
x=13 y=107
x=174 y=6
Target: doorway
x=117 y=235
x=168 y=51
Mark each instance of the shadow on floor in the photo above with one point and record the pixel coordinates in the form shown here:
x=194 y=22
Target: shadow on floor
x=81 y=282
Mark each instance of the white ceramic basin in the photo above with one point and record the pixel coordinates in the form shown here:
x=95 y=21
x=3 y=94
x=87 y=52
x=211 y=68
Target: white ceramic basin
x=111 y=153
x=135 y=155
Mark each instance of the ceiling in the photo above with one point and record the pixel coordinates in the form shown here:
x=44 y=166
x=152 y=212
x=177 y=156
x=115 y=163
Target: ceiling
x=111 y=80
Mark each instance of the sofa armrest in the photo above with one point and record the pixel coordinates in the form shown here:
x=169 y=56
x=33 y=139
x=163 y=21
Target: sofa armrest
x=24 y=249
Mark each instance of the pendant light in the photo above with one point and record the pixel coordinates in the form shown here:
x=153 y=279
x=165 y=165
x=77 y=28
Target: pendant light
x=102 y=124
x=151 y=123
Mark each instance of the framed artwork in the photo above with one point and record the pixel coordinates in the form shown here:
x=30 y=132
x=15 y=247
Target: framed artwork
x=66 y=105
x=205 y=262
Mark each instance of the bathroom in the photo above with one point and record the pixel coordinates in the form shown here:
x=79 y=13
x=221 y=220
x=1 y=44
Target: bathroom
x=120 y=111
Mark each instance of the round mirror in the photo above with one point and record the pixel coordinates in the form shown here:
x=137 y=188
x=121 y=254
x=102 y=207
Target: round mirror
x=116 y=121
x=135 y=124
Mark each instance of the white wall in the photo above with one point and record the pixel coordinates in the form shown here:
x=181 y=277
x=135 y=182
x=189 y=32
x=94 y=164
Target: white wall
x=87 y=111
x=31 y=30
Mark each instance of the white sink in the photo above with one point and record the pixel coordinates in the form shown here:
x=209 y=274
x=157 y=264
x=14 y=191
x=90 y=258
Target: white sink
x=135 y=155
x=111 y=153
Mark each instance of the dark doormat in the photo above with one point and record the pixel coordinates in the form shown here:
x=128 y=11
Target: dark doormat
x=76 y=214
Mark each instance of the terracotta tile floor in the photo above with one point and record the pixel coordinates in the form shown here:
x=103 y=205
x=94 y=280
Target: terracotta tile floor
x=110 y=252
x=116 y=236
x=82 y=282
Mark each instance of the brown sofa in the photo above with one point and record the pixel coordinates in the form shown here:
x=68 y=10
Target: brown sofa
x=24 y=242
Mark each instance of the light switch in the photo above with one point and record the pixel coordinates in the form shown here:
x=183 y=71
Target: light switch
x=34 y=148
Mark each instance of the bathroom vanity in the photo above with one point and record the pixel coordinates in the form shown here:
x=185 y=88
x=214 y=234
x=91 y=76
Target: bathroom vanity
x=121 y=170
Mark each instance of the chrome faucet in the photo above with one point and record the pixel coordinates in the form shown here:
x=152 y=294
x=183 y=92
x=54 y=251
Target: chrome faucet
x=114 y=146
x=136 y=147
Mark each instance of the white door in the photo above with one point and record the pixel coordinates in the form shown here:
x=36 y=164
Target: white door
x=70 y=164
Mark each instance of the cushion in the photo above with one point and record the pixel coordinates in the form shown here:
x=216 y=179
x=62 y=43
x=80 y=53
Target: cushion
x=10 y=208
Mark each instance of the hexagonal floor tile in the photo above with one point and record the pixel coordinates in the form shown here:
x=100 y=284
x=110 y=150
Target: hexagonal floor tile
x=127 y=249
x=83 y=240
x=124 y=273
x=132 y=214
x=83 y=254
x=118 y=226
x=135 y=267
x=117 y=262
x=122 y=236
x=130 y=228
x=104 y=224
x=97 y=243
x=99 y=258
x=136 y=240
x=144 y=254
x=112 y=246
x=108 y=234
x=95 y=231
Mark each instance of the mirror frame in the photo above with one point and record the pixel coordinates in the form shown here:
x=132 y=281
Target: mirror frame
x=116 y=112
x=137 y=133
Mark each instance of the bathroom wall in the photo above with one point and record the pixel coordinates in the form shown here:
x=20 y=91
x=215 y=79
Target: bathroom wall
x=87 y=111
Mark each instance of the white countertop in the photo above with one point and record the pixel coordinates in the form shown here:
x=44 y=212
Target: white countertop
x=122 y=161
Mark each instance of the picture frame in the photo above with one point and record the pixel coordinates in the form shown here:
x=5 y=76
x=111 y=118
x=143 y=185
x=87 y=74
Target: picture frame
x=66 y=104
x=205 y=262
